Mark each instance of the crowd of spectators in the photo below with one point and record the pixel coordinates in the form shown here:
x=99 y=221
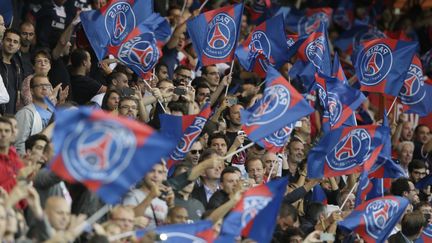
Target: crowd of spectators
x=45 y=53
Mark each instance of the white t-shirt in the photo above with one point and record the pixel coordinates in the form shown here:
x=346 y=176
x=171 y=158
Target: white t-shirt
x=158 y=207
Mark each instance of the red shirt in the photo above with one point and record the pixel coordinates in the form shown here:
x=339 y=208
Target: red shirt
x=9 y=166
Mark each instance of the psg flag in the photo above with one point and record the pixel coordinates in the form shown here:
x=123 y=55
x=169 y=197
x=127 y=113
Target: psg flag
x=346 y=150
x=142 y=48
x=281 y=105
x=381 y=65
x=113 y=22
x=416 y=92
x=426 y=236
x=276 y=141
x=106 y=153
x=373 y=220
x=214 y=34
x=266 y=45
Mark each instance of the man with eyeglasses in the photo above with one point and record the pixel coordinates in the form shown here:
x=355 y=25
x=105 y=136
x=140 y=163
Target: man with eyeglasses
x=34 y=117
x=128 y=106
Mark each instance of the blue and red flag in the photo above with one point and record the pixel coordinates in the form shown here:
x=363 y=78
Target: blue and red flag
x=313 y=55
x=281 y=105
x=426 y=236
x=369 y=188
x=374 y=220
x=255 y=214
x=337 y=70
x=416 y=92
x=190 y=136
x=266 y=45
x=259 y=11
x=173 y=126
x=313 y=18
x=201 y=231
x=214 y=34
x=424 y=182
x=351 y=39
x=142 y=48
x=113 y=22
x=6 y=11
x=382 y=64
x=106 y=153
x=342 y=100
x=346 y=150
x=319 y=195
x=276 y=141
x=344 y=14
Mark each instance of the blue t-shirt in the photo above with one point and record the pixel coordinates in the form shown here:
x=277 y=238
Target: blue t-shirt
x=45 y=114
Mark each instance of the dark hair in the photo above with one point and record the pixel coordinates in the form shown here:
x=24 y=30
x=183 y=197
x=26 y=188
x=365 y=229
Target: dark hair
x=106 y=97
x=288 y=210
x=112 y=76
x=253 y=159
x=204 y=69
x=293 y=231
x=159 y=65
x=26 y=23
x=181 y=67
x=178 y=106
x=412 y=223
x=215 y=136
x=421 y=204
x=5 y=120
x=399 y=186
x=313 y=210
x=202 y=85
x=13 y=31
x=124 y=98
x=77 y=57
x=416 y=164
x=33 y=79
x=31 y=141
x=418 y=127
x=41 y=52
x=207 y=153
x=229 y=169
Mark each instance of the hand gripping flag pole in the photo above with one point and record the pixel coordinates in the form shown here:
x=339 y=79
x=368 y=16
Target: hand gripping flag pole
x=160 y=103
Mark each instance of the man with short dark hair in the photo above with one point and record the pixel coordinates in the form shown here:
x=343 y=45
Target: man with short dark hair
x=35 y=146
x=417 y=170
x=412 y=226
x=218 y=142
x=296 y=154
x=230 y=178
x=256 y=170
x=10 y=69
x=423 y=143
x=405 y=188
x=117 y=81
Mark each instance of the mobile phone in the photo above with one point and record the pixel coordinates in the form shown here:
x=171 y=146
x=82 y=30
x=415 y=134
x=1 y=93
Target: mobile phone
x=179 y=91
x=326 y=237
x=232 y=101
x=126 y=92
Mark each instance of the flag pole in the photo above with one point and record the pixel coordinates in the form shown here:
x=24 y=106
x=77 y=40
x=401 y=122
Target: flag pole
x=346 y=199
x=271 y=170
x=238 y=150
x=230 y=74
x=183 y=8
x=202 y=5
x=95 y=217
x=160 y=103
x=391 y=107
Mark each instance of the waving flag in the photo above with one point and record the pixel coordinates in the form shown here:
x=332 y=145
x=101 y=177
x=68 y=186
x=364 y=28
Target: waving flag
x=266 y=45
x=369 y=188
x=281 y=105
x=113 y=22
x=319 y=195
x=416 y=93
x=313 y=55
x=424 y=182
x=382 y=64
x=201 y=231
x=350 y=40
x=426 y=236
x=347 y=150
x=173 y=126
x=344 y=14
x=276 y=141
x=255 y=214
x=342 y=102
x=259 y=11
x=142 y=48
x=7 y=12
x=373 y=220
x=106 y=153
x=337 y=70
x=314 y=17
x=190 y=136
x=214 y=34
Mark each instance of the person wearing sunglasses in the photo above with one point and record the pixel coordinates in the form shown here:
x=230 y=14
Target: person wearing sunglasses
x=194 y=154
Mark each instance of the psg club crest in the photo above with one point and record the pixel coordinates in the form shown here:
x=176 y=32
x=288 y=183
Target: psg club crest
x=352 y=150
x=260 y=45
x=367 y=35
x=98 y=153
x=119 y=22
x=315 y=51
x=280 y=137
x=309 y=24
x=412 y=91
x=140 y=52
x=187 y=140
x=322 y=94
x=221 y=37
x=377 y=215
x=273 y=105
x=335 y=108
x=375 y=64
x=252 y=205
